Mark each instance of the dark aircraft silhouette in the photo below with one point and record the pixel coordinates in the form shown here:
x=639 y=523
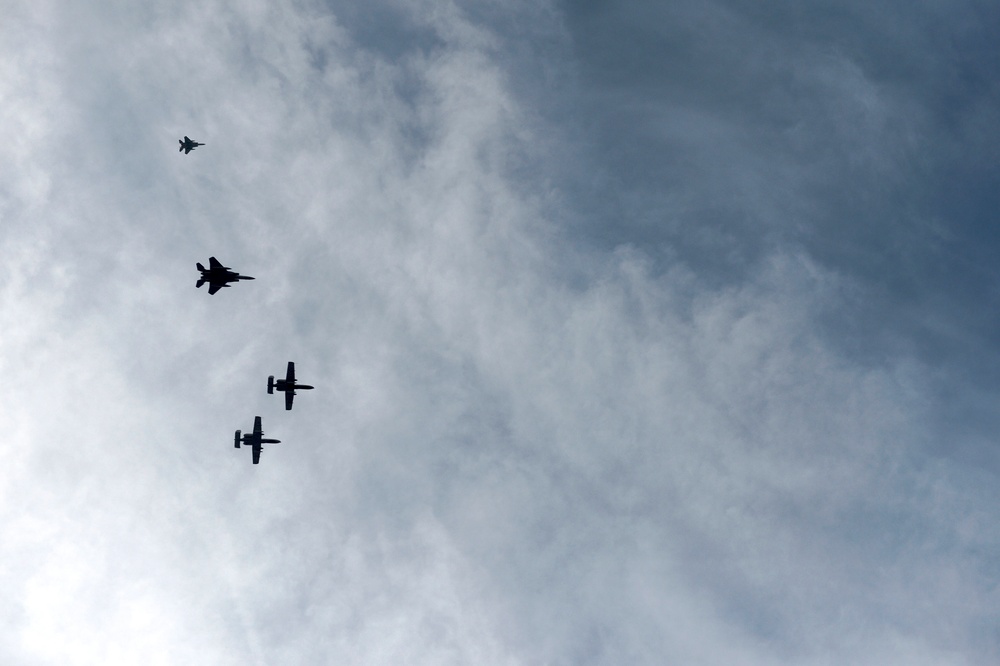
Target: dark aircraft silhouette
x=255 y=439
x=218 y=276
x=187 y=145
x=288 y=385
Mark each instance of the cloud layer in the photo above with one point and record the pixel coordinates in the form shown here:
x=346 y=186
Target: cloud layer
x=619 y=321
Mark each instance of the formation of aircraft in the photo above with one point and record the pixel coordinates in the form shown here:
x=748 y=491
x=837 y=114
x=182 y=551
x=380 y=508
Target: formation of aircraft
x=254 y=439
x=187 y=145
x=288 y=385
x=218 y=276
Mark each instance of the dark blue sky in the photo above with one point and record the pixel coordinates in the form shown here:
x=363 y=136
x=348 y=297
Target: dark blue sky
x=717 y=134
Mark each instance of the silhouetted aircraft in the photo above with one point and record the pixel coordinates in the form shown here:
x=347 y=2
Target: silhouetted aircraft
x=254 y=439
x=218 y=276
x=288 y=385
x=187 y=145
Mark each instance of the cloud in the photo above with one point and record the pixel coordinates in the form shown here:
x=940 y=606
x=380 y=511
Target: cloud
x=525 y=446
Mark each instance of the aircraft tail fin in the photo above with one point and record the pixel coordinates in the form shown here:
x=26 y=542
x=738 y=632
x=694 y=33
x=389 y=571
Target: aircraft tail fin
x=236 y=439
x=200 y=267
x=198 y=284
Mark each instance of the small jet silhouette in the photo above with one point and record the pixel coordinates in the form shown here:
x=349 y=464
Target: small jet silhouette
x=288 y=385
x=187 y=145
x=217 y=276
x=254 y=439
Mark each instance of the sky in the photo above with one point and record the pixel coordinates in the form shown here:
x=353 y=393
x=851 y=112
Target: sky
x=641 y=332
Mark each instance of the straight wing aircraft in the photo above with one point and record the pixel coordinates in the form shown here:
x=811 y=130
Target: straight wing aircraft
x=254 y=440
x=288 y=385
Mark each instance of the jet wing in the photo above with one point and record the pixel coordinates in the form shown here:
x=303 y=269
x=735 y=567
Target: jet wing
x=290 y=375
x=257 y=430
x=214 y=264
x=289 y=396
x=256 y=452
x=214 y=287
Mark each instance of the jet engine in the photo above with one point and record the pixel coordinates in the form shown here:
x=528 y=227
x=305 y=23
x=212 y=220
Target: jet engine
x=270 y=385
x=236 y=439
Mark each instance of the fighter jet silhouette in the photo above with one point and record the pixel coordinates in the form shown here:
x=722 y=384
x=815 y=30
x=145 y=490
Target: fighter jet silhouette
x=218 y=276
x=187 y=145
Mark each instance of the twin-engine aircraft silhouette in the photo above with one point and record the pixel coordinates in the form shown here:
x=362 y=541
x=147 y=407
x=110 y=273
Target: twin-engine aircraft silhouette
x=254 y=439
x=218 y=276
x=187 y=145
x=288 y=385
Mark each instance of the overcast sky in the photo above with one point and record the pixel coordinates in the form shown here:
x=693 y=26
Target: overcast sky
x=642 y=332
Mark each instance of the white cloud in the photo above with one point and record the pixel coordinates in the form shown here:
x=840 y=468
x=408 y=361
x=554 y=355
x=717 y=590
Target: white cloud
x=499 y=464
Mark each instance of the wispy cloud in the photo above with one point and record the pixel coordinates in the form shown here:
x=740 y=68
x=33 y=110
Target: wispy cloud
x=601 y=378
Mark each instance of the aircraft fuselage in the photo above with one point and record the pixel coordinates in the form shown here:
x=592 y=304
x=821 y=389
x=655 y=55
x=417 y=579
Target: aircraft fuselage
x=282 y=385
